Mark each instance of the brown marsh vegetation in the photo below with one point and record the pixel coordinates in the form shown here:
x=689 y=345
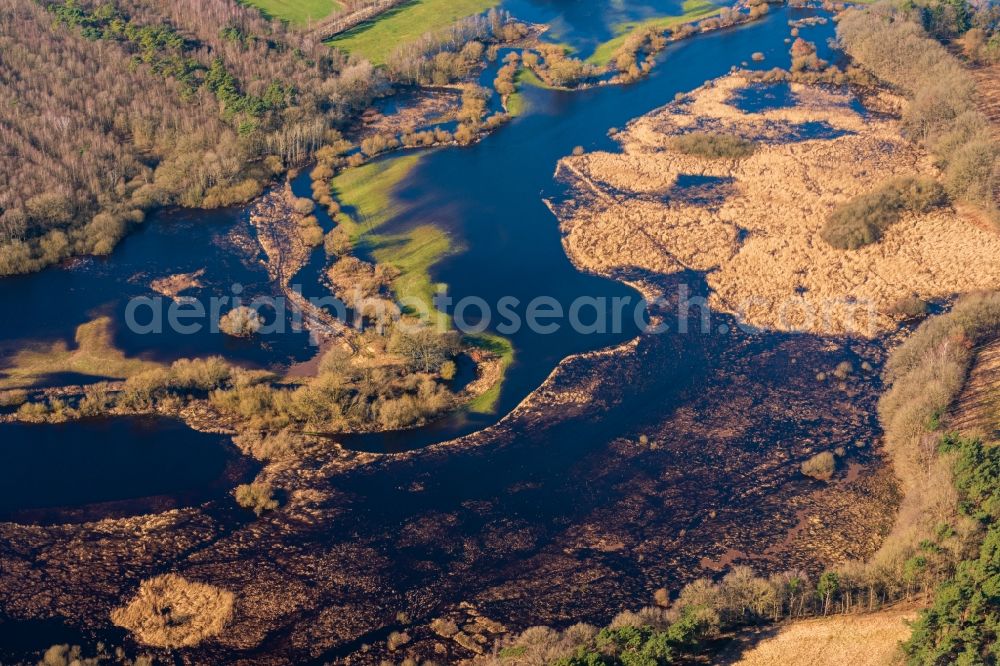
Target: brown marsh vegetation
x=170 y=611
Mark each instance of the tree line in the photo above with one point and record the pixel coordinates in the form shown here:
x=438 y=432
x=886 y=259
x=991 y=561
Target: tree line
x=941 y=115
x=446 y=56
x=946 y=541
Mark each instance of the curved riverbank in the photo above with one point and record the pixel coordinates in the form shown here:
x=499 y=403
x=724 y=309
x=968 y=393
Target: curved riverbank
x=753 y=224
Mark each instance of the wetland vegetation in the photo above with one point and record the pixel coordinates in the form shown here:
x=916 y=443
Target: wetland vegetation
x=426 y=493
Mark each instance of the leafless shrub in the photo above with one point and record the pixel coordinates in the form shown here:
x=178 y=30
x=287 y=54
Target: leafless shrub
x=821 y=466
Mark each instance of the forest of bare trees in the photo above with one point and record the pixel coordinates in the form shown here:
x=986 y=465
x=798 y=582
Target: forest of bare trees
x=112 y=109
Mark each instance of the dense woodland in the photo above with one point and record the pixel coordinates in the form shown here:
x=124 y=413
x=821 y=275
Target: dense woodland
x=114 y=108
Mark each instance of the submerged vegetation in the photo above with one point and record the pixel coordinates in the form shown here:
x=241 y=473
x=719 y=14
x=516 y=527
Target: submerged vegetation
x=94 y=354
x=945 y=537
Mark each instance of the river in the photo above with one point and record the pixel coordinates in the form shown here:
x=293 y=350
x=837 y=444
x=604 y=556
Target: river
x=508 y=525
x=489 y=198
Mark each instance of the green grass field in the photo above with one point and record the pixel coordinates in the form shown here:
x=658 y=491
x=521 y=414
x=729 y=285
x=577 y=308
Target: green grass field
x=366 y=193
x=529 y=78
x=516 y=104
x=487 y=402
x=693 y=11
x=376 y=40
x=367 y=190
x=297 y=12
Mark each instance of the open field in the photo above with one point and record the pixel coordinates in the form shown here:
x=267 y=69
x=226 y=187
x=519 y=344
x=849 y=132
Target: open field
x=364 y=193
x=375 y=40
x=693 y=10
x=976 y=411
x=413 y=253
x=297 y=12
x=862 y=640
x=988 y=87
x=988 y=100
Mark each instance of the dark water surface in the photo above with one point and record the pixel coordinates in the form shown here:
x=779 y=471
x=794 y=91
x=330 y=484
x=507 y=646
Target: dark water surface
x=119 y=466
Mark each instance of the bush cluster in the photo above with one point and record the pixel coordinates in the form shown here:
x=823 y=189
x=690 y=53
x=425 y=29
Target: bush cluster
x=713 y=145
x=555 y=66
x=240 y=322
x=821 y=466
x=395 y=383
x=257 y=497
x=440 y=58
x=862 y=220
x=160 y=388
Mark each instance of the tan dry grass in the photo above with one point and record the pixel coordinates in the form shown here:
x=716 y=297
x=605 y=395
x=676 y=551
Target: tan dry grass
x=976 y=411
x=760 y=246
x=172 y=285
x=860 y=640
x=170 y=611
